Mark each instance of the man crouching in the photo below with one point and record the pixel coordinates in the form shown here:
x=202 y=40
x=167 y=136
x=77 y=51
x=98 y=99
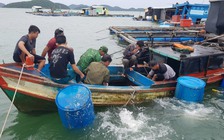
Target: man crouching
x=97 y=73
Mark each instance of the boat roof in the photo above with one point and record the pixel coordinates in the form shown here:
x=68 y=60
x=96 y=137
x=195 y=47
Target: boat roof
x=199 y=51
x=168 y=7
x=37 y=7
x=97 y=6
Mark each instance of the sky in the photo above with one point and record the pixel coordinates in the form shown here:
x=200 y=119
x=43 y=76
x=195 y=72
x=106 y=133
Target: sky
x=120 y=3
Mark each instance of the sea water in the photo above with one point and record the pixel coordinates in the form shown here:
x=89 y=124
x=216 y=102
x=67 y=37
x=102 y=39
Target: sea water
x=159 y=119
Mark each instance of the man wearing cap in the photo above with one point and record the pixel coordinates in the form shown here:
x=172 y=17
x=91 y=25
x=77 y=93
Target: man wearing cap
x=160 y=72
x=97 y=73
x=25 y=47
x=51 y=45
x=91 y=55
x=131 y=54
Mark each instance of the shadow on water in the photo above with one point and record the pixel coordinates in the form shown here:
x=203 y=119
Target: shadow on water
x=45 y=126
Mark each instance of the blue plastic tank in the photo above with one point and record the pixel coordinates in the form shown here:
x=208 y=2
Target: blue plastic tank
x=190 y=89
x=75 y=106
x=222 y=84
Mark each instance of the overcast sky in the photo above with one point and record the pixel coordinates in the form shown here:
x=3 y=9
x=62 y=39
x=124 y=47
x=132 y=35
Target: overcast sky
x=121 y=3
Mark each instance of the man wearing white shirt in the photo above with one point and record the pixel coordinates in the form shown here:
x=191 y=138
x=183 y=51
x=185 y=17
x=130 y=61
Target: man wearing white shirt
x=161 y=72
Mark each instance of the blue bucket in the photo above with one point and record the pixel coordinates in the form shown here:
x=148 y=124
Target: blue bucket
x=222 y=84
x=190 y=89
x=75 y=106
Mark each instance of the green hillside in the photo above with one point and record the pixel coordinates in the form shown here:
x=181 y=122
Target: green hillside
x=44 y=3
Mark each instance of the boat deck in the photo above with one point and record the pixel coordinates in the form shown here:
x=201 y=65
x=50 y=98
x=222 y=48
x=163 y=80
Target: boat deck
x=199 y=51
x=157 y=35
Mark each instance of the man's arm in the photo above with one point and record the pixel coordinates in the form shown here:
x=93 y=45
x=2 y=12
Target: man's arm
x=128 y=51
x=33 y=51
x=44 y=52
x=106 y=79
x=151 y=73
x=23 y=48
x=76 y=69
x=25 y=51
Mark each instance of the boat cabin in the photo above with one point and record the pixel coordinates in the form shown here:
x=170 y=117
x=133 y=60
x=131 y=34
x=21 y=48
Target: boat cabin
x=196 y=12
x=159 y=14
x=95 y=11
x=37 y=9
x=202 y=62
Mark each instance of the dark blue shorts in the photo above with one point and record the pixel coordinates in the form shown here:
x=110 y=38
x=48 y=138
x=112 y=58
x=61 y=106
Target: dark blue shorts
x=37 y=58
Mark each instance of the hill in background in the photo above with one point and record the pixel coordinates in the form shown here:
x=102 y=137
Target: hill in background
x=116 y=8
x=2 y=5
x=44 y=3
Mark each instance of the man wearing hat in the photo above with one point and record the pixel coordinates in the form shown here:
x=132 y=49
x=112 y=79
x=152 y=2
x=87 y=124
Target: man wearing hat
x=51 y=45
x=131 y=54
x=97 y=73
x=91 y=55
x=160 y=72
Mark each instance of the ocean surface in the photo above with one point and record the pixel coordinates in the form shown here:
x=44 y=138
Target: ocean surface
x=160 y=119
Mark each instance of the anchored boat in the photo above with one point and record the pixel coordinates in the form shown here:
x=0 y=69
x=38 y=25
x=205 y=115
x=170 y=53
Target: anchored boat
x=36 y=92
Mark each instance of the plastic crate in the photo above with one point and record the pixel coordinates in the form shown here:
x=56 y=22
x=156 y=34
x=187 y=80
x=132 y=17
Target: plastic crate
x=176 y=18
x=185 y=22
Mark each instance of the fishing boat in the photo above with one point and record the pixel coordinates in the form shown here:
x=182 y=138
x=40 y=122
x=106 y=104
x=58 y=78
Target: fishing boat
x=36 y=92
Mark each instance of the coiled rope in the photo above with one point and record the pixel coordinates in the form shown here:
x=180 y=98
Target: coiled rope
x=6 y=118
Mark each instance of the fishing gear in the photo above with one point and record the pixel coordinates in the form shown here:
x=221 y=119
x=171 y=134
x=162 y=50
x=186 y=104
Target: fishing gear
x=116 y=52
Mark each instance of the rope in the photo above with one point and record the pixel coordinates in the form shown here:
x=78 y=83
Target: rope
x=48 y=77
x=6 y=118
x=131 y=97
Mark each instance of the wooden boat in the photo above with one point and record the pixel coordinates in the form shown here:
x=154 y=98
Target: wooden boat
x=36 y=92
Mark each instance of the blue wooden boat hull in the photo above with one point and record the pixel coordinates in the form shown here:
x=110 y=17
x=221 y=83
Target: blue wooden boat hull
x=138 y=78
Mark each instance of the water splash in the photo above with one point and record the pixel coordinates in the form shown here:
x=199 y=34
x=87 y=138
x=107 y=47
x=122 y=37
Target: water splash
x=193 y=110
x=131 y=125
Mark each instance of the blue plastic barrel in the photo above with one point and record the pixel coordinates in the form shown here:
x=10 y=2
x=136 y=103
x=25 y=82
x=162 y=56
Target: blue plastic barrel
x=75 y=106
x=190 y=89
x=222 y=84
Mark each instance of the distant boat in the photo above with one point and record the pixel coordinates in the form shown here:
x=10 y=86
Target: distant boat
x=38 y=10
x=173 y=15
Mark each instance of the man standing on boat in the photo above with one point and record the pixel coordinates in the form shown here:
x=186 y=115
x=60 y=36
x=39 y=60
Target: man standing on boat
x=160 y=72
x=131 y=54
x=97 y=73
x=25 y=47
x=60 y=58
x=51 y=45
x=91 y=55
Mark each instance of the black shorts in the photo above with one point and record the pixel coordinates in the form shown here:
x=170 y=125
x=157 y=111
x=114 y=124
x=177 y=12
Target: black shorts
x=37 y=58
